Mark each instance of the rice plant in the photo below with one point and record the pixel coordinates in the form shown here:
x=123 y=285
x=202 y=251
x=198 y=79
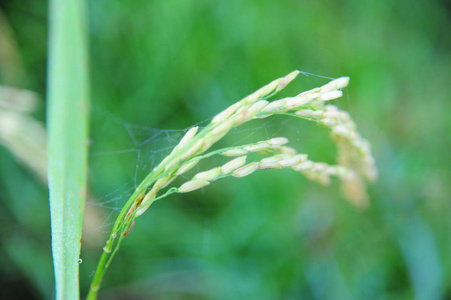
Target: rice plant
x=67 y=149
x=354 y=163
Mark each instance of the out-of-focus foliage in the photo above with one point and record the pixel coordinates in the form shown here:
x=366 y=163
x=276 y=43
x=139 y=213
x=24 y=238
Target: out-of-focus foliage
x=170 y=64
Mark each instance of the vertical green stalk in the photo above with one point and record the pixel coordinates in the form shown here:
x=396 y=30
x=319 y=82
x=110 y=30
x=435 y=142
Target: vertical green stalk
x=67 y=124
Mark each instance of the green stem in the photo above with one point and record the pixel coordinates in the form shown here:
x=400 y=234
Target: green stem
x=113 y=241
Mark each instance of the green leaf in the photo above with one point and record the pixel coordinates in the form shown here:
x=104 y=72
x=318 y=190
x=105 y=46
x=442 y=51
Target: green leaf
x=67 y=125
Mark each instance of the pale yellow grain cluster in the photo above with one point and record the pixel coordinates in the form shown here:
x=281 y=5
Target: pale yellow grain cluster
x=355 y=163
x=316 y=171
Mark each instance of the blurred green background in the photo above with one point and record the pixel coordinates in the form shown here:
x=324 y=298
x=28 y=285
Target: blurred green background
x=169 y=64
